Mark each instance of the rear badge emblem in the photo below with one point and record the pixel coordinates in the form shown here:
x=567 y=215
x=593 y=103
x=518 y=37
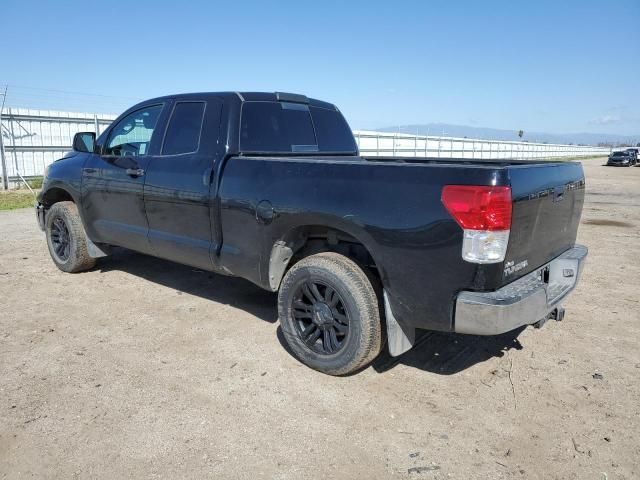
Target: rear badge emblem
x=511 y=267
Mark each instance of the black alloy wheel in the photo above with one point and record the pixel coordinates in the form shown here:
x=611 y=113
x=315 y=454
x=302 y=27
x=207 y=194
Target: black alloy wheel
x=330 y=313
x=66 y=238
x=320 y=316
x=60 y=239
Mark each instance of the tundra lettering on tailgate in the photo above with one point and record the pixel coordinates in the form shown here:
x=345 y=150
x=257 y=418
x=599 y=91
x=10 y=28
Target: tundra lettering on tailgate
x=511 y=267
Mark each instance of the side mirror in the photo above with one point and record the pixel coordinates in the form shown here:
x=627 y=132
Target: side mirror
x=84 y=142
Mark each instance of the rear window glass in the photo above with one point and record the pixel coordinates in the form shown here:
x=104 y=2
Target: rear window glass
x=183 y=131
x=282 y=127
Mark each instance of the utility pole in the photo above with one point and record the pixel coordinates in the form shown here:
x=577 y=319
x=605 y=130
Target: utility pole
x=12 y=120
x=5 y=179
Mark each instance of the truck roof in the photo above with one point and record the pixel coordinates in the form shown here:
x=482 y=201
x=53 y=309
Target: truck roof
x=252 y=96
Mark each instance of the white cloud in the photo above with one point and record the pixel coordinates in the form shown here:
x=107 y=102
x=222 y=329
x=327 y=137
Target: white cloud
x=606 y=120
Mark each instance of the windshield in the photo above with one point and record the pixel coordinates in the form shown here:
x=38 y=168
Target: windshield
x=620 y=154
x=282 y=127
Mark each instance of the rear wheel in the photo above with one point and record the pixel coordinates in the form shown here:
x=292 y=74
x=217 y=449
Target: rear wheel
x=330 y=314
x=66 y=238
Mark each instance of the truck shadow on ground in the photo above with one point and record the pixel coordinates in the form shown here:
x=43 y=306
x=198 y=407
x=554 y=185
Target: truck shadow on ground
x=442 y=353
x=435 y=352
x=449 y=353
x=233 y=291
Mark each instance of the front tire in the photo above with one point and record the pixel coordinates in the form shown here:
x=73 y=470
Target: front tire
x=330 y=314
x=66 y=238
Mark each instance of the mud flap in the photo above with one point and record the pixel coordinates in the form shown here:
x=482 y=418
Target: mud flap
x=400 y=338
x=95 y=251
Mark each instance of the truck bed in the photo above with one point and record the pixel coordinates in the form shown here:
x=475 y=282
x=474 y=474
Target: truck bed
x=393 y=206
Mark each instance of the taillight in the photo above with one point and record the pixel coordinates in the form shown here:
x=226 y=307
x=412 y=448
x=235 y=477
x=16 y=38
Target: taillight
x=484 y=213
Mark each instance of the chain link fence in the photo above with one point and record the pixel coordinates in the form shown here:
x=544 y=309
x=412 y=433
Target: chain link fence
x=32 y=139
x=391 y=144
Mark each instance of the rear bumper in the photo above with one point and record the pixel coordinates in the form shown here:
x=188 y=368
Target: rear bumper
x=526 y=301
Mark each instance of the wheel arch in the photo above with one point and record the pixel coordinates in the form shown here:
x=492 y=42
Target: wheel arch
x=303 y=240
x=54 y=195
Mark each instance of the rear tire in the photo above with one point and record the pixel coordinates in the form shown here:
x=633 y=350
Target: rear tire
x=330 y=314
x=66 y=238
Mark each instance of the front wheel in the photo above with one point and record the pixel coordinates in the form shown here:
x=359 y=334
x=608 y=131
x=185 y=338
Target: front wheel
x=330 y=314
x=66 y=238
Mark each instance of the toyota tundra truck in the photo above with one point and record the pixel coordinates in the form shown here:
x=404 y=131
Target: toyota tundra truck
x=363 y=251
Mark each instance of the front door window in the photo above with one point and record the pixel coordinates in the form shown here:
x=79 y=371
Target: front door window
x=132 y=135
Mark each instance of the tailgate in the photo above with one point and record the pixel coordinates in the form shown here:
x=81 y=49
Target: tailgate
x=547 y=204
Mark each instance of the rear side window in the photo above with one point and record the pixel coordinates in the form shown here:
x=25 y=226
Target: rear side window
x=282 y=127
x=332 y=130
x=183 y=131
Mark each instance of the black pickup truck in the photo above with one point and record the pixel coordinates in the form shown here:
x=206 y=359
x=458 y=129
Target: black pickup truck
x=362 y=251
x=623 y=158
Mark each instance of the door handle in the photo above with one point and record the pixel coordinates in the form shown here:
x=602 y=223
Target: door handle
x=206 y=176
x=135 y=172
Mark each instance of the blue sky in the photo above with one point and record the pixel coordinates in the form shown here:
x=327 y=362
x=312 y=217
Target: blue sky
x=541 y=66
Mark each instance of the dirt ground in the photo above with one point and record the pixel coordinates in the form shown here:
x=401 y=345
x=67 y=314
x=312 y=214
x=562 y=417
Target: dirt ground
x=142 y=368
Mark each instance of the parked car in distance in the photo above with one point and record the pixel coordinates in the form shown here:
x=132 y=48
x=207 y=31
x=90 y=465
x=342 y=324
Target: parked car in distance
x=621 y=158
x=271 y=187
x=635 y=151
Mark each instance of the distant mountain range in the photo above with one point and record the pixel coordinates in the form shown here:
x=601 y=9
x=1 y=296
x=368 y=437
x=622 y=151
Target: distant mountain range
x=436 y=129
